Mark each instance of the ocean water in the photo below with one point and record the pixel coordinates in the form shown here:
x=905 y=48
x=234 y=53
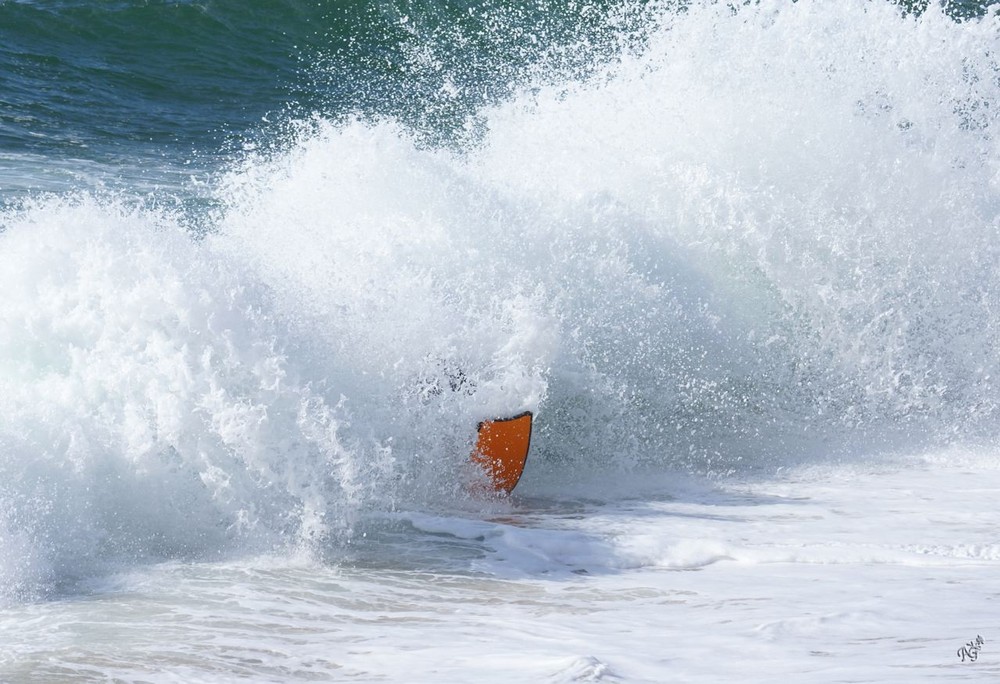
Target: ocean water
x=265 y=265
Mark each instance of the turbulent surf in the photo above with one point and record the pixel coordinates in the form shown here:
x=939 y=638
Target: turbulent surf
x=266 y=267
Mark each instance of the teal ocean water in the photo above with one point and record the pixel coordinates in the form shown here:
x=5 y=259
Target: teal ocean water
x=122 y=88
x=265 y=265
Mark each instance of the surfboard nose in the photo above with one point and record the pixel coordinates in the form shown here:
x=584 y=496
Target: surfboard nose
x=502 y=449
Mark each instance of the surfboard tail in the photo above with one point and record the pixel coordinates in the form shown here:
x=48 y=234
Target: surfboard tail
x=502 y=449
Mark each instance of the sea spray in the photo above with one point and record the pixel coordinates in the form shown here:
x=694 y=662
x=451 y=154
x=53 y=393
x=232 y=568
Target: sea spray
x=831 y=174
x=769 y=233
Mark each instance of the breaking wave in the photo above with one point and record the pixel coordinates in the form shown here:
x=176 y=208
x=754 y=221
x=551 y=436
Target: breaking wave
x=752 y=237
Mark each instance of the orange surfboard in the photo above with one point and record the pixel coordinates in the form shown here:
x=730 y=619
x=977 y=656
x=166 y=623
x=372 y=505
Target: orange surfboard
x=502 y=449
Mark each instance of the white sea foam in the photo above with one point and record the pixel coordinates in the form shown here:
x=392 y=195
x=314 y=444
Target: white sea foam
x=617 y=591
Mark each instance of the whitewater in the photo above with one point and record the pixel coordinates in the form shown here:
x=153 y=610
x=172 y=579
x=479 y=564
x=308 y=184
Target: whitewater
x=744 y=268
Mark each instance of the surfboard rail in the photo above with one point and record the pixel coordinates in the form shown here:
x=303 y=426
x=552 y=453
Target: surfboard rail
x=502 y=449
